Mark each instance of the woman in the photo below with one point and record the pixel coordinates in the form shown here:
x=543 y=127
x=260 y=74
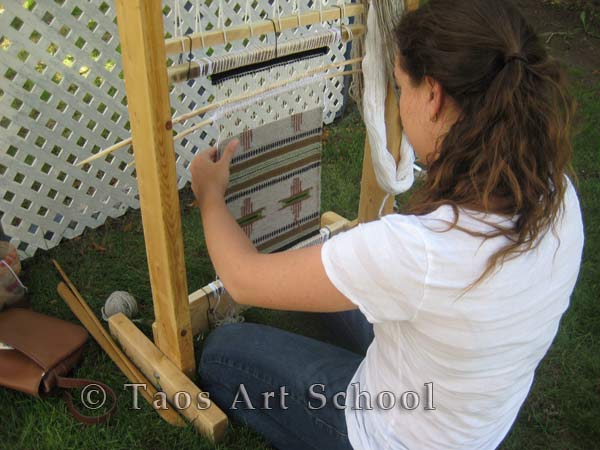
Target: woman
x=458 y=299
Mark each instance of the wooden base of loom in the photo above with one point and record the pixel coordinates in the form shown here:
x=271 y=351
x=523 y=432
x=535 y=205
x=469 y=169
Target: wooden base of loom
x=167 y=378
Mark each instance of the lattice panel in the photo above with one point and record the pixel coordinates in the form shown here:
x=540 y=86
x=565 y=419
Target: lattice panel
x=62 y=98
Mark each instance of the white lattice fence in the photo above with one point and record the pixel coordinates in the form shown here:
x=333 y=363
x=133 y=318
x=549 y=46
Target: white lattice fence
x=62 y=98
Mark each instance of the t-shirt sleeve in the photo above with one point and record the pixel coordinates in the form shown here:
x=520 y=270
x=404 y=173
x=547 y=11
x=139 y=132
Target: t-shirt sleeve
x=380 y=266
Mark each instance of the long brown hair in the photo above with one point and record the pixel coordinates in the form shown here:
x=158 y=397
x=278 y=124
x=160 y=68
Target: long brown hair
x=509 y=150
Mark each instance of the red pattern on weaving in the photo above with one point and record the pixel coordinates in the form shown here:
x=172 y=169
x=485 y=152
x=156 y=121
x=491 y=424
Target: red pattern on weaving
x=295 y=190
x=247 y=208
x=297 y=122
x=246 y=139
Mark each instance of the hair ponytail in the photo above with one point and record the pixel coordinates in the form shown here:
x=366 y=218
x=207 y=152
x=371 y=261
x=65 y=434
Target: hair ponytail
x=512 y=140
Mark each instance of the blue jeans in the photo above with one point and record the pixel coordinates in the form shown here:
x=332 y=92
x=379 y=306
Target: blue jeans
x=240 y=363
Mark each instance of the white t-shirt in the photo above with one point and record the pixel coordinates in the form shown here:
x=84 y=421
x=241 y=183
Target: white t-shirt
x=479 y=351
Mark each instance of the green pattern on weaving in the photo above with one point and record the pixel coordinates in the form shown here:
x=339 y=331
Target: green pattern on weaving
x=296 y=198
x=251 y=218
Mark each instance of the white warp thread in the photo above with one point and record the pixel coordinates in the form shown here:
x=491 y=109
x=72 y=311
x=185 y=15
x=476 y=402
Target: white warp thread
x=231 y=315
x=261 y=53
x=320 y=238
x=229 y=108
x=394 y=180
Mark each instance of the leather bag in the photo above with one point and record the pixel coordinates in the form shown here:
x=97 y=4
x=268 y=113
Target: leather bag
x=38 y=352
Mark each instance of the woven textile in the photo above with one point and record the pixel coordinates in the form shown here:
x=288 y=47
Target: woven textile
x=274 y=192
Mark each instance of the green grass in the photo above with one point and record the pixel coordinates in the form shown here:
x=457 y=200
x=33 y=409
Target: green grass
x=561 y=412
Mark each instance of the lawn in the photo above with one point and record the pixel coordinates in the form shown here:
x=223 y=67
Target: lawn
x=561 y=412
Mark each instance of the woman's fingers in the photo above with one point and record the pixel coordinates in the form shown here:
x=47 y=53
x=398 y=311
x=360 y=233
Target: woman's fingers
x=209 y=171
x=211 y=154
x=229 y=151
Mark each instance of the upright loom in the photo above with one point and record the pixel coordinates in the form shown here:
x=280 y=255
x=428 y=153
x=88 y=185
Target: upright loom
x=274 y=190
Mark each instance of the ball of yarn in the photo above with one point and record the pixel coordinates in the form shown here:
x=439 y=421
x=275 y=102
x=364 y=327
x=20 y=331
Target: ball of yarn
x=119 y=302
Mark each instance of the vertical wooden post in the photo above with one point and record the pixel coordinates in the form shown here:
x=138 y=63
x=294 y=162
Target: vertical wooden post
x=143 y=53
x=371 y=195
x=412 y=4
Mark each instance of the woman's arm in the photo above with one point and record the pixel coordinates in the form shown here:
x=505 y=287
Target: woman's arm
x=292 y=280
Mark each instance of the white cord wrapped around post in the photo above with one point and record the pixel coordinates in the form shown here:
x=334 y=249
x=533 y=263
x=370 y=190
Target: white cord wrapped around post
x=321 y=238
x=391 y=178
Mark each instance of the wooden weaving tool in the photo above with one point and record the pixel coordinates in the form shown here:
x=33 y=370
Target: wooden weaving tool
x=86 y=316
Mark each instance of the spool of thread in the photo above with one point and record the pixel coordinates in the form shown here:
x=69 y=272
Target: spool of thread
x=119 y=302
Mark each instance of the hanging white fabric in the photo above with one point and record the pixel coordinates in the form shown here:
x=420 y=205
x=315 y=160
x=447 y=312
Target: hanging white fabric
x=393 y=179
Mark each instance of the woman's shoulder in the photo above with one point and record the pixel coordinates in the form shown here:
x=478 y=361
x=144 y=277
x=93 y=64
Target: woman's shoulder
x=447 y=218
x=448 y=222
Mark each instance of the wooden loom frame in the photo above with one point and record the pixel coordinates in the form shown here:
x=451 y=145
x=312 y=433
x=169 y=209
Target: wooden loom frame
x=170 y=363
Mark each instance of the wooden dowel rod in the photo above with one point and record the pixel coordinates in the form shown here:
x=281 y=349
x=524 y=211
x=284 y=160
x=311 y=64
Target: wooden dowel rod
x=106 y=151
x=244 y=31
x=199 y=111
x=209 y=121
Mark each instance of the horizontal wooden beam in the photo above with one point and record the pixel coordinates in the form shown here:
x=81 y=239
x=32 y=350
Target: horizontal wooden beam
x=261 y=27
x=332 y=219
x=168 y=378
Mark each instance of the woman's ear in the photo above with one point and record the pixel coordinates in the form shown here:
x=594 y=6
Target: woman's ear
x=435 y=100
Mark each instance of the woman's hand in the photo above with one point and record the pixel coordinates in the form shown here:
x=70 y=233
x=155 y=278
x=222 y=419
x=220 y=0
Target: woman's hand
x=209 y=176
